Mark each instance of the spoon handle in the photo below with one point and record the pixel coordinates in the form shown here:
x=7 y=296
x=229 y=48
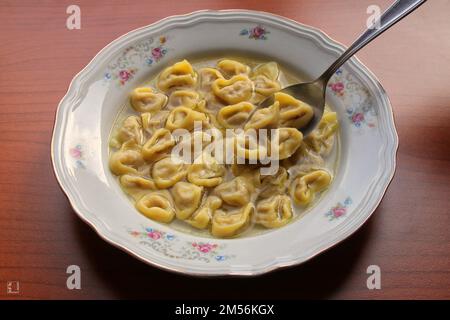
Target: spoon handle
x=397 y=11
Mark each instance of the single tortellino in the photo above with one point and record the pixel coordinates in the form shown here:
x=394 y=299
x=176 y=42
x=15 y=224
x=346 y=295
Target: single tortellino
x=248 y=146
x=143 y=99
x=269 y=70
x=206 y=171
x=185 y=118
x=183 y=98
x=207 y=77
x=131 y=130
x=289 y=140
x=236 y=192
x=321 y=140
x=305 y=186
x=264 y=118
x=237 y=89
x=154 y=121
x=231 y=68
x=274 y=212
x=230 y=223
x=202 y=217
x=274 y=184
x=181 y=74
x=157 y=205
x=187 y=198
x=159 y=144
x=265 y=86
x=126 y=160
x=168 y=171
x=236 y=115
x=293 y=113
x=136 y=186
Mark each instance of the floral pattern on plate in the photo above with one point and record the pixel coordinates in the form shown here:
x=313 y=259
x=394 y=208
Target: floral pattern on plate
x=171 y=246
x=257 y=33
x=339 y=210
x=360 y=109
x=147 y=53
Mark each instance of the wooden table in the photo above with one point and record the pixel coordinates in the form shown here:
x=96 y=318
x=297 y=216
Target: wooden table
x=40 y=235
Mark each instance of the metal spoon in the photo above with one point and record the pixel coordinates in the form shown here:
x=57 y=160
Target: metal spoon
x=313 y=93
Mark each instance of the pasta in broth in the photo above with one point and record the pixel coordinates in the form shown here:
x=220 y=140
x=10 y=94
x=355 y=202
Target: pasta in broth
x=215 y=198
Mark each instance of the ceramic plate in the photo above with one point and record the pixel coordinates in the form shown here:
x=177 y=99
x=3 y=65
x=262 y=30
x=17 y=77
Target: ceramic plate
x=367 y=142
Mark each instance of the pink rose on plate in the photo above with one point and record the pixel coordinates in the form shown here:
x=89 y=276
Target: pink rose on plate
x=337 y=87
x=205 y=248
x=75 y=153
x=358 y=117
x=338 y=212
x=155 y=235
x=157 y=53
x=124 y=75
x=258 y=31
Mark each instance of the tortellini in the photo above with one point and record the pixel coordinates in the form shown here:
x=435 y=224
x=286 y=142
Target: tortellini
x=274 y=212
x=293 y=113
x=211 y=114
x=229 y=223
x=236 y=192
x=157 y=206
x=231 y=68
x=184 y=98
x=202 y=217
x=206 y=171
x=185 y=118
x=131 y=130
x=289 y=140
x=274 y=184
x=306 y=186
x=181 y=74
x=234 y=90
x=158 y=145
x=168 y=171
x=145 y=100
x=136 y=186
x=187 y=197
x=236 y=115
x=264 y=118
x=127 y=160
x=322 y=138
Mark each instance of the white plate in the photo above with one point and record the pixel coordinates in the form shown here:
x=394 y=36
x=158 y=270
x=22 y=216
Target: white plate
x=85 y=116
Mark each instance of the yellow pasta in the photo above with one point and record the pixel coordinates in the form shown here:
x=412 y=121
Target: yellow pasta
x=264 y=118
x=236 y=115
x=157 y=206
x=236 y=192
x=168 y=171
x=202 y=217
x=231 y=68
x=126 y=160
x=289 y=140
x=234 y=90
x=160 y=143
x=225 y=190
x=230 y=223
x=136 y=186
x=145 y=100
x=187 y=198
x=185 y=118
x=306 y=186
x=206 y=171
x=274 y=212
x=293 y=113
x=183 y=98
x=181 y=74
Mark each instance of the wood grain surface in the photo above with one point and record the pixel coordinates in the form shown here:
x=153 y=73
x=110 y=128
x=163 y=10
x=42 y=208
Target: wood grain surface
x=40 y=235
